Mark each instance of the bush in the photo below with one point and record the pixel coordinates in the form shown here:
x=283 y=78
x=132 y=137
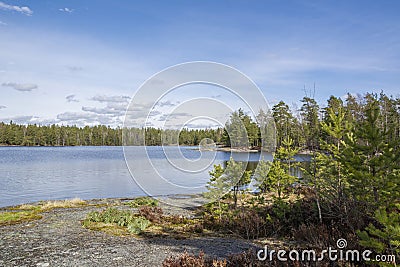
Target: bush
x=246 y=223
x=278 y=219
x=111 y=215
x=133 y=223
x=177 y=219
x=153 y=214
x=195 y=228
x=185 y=259
x=189 y=260
x=143 y=201
x=138 y=225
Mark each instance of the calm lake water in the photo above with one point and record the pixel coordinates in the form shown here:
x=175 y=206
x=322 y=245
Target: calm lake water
x=29 y=174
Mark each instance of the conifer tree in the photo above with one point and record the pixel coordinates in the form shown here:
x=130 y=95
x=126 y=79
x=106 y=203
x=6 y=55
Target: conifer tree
x=373 y=160
x=234 y=177
x=280 y=173
x=217 y=186
x=261 y=176
x=384 y=238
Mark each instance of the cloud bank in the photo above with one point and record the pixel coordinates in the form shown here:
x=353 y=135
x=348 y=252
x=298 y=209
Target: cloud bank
x=20 y=9
x=23 y=87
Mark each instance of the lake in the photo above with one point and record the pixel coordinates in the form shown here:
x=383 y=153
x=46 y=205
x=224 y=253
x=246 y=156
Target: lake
x=29 y=174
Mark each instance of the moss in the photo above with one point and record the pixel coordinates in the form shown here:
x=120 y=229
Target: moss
x=109 y=228
x=13 y=217
x=29 y=212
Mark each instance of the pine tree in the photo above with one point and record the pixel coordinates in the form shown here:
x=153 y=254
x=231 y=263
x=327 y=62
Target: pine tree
x=261 y=176
x=384 y=238
x=310 y=116
x=218 y=185
x=278 y=179
x=237 y=177
x=331 y=175
x=267 y=130
x=373 y=160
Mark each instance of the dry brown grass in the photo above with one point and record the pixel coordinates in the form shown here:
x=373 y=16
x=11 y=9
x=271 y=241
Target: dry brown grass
x=26 y=207
x=68 y=203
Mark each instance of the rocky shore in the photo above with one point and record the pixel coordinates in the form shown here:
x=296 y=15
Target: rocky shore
x=58 y=239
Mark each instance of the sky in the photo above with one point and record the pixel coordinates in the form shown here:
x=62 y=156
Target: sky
x=81 y=62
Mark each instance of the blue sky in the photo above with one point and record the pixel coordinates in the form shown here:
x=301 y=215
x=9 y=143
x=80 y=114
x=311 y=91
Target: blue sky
x=77 y=62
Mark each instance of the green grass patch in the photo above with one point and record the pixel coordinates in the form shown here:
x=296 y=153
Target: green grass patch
x=13 y=217
x=142 y=201
x=29 y=212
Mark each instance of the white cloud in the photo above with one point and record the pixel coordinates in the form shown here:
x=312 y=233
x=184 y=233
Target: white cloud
x=154 y=113
x=176 y=115
x=104 y=111
x=66 y=9
x=2 y=107
x=19 y=119
x=21 y=9
x=107 y=99
x=23 y=87
x=115 y=105
x=71 y=98
x=86 y=118
x=200 y=125
x=3 y=23
x=166 y=104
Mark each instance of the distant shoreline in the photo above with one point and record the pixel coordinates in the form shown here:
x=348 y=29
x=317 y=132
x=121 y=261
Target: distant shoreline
x=194 y=147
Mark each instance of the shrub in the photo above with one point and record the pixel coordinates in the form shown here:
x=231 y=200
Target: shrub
x=190 y=260
x=316 y=235
x=185 y=259
x=177 y=219
x=153 y=214
x=246 y=223
x=143 y=201
x=138 y=225
x=133 y=223
x=111 y=215
x=195 y=228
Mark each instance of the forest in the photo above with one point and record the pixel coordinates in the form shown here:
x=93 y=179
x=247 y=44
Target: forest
x=350 y=190
x=12 y=134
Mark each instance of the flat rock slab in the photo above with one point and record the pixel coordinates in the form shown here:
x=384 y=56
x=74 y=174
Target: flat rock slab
x=58 y=239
